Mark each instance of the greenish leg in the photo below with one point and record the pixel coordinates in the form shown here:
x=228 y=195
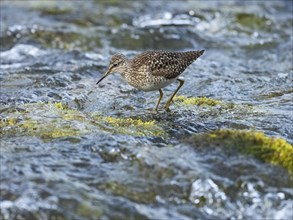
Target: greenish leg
x=161 y=95
x=168 y=103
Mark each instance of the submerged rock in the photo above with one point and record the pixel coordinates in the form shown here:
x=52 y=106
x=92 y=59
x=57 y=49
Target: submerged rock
x=252 y=143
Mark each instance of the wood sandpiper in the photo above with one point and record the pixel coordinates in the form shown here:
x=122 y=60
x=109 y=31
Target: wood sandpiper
x=153 y=70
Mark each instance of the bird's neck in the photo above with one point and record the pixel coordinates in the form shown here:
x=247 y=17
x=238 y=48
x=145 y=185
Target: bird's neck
x=125 y=69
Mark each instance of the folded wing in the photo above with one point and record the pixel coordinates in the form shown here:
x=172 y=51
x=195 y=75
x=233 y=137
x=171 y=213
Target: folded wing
x=164 y=63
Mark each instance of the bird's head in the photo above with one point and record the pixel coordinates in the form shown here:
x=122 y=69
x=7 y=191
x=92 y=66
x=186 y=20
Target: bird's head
x=118 y=64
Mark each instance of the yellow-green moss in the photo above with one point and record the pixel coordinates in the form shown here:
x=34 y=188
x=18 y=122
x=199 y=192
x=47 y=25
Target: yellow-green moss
x=54 y=120
x=201 y=101
x=135 y=127
x=212 y=103
x=52 y=129
x=268 y=149
x=68 y=114
x=59 y=105
x=4 y=122
x=45 y=120
x=74 y=116
x=62 y=126
x=123 y=122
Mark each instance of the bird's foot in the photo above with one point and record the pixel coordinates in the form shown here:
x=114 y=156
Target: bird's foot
x=167 y=109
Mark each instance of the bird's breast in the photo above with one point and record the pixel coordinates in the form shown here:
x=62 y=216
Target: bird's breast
x=146 y=81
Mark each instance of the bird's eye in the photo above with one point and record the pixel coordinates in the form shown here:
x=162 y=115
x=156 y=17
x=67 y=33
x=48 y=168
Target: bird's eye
x=115 y=64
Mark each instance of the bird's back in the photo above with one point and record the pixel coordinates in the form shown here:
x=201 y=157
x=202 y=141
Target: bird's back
x=163 y=63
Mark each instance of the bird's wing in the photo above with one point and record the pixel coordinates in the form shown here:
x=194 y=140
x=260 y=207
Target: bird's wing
x=167 y=64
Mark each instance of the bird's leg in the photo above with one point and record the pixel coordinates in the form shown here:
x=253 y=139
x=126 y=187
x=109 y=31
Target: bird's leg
x=161 y=95
x=168 y=103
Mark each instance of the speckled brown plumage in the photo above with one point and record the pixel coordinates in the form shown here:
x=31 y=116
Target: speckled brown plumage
x=153 y=70
x=163 y=63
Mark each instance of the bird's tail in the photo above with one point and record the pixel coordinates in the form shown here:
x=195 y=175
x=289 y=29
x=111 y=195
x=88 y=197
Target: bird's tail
x=193 y=55
x=189 y=57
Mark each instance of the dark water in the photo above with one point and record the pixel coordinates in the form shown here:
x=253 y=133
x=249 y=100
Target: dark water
x=102 y=153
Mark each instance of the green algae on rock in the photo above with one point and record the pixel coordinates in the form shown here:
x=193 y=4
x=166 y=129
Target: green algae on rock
x=268 y=149
x=129 y=126
x=49 y=130
x=45 y=120
x=200 y=101
x=4 y=122
x=55 y=120
x=218 y=106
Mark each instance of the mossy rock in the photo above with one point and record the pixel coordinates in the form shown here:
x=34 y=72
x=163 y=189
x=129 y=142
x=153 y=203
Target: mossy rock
x=215 y=106
x=45 y=120
x=268 y=149
x=55 y=120
x=199 y=101
x=129 y=126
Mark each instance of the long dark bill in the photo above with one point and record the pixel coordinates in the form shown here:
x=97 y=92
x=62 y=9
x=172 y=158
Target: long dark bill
x=103 y=77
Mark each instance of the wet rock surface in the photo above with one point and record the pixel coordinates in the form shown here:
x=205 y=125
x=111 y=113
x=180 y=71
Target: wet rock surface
x=74 y=150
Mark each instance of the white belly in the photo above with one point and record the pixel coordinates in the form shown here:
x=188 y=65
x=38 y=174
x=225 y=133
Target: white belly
x=151 y=83
x=157 y=85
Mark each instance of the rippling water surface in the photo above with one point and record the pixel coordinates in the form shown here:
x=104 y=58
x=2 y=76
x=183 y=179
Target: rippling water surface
x=74 y=150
